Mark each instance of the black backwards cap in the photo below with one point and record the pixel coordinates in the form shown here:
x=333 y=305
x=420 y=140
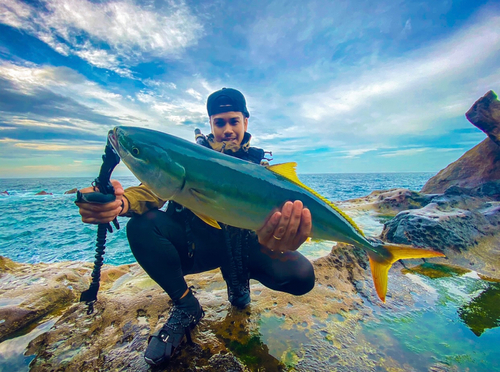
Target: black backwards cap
x=225 y=100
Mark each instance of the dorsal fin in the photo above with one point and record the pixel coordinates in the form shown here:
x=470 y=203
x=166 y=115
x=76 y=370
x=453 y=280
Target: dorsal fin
x=288 y=171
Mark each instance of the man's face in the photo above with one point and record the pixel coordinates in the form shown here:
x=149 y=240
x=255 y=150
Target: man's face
x=229 y=126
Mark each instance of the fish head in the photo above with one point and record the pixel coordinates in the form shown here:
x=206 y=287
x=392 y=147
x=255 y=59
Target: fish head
x=148 y=158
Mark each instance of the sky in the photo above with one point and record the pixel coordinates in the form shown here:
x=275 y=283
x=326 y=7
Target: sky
x=336 y=86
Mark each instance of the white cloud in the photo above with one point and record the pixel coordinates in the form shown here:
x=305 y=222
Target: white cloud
x=413 y=93
x=41 y=146
x=13 y=13
x=405 y=152
x=132 y=32
x=159 y=84
x=354 y=153
x=194 y=93
x=68 y=84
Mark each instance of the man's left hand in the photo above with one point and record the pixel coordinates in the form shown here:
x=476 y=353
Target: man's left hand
x=287 y=229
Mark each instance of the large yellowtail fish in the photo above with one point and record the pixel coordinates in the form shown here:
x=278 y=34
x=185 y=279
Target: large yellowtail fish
x=218 y=187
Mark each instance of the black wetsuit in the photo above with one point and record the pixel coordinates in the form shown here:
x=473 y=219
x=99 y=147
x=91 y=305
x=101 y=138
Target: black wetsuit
x=159 y=243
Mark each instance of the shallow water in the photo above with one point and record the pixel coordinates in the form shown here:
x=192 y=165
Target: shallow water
x=455 y=326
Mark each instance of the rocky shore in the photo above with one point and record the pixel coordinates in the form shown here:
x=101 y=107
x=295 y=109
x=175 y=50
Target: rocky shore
x=131 y=305
x=457 y=212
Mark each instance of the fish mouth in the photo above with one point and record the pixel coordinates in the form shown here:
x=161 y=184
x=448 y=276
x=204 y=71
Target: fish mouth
x=112 y=139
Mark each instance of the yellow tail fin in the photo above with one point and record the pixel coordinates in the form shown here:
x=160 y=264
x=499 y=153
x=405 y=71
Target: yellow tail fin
x=397 y=252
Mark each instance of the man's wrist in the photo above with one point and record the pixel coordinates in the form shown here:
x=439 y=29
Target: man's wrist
x=124 y=207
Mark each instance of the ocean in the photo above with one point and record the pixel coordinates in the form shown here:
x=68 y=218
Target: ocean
x=48 y=228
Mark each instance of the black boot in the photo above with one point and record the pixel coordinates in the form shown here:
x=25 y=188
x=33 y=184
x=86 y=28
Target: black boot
x=183 y=317
x=239 y=294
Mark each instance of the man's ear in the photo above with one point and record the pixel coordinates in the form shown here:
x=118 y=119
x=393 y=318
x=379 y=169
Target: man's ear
x=246 y=124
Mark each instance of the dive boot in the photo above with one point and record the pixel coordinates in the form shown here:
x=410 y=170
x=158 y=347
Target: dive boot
x=239 y=294
x=183 y=317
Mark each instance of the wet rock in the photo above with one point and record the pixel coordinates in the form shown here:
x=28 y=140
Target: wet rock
x=131 y=306
x=277 y=332
x=43 y=193
x=72 y=191
x=463 y=223
x=6 y=264
x=225 y=362
x=480 y=164
x=28 y=297
x=4 y=193
x=388 y=202
x=436 y=227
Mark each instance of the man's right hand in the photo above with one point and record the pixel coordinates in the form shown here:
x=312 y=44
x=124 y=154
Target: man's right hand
x=96 y=213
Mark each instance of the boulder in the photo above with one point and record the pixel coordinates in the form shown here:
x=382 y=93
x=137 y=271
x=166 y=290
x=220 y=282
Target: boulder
x=43 y=193
x=388 y=202
x=72 y=191
x=437 y=227
x=485 y=114
x=462 y=215
x=463 y=223
x=480 y=164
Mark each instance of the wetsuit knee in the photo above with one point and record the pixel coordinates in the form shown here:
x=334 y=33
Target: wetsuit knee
x=159 y=246
x=303 y=279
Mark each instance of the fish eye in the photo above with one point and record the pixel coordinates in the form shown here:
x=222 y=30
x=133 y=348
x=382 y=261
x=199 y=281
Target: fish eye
x=135 y=151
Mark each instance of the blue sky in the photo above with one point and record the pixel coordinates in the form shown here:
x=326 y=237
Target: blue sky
x=337 y=86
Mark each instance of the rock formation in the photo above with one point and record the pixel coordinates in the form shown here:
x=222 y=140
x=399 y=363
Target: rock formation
x=458 y=210
x=388 y=202
x=72 y=191
x=43 y=192
x=480 y=164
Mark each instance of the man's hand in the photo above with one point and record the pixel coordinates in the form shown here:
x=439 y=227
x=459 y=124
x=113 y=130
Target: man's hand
x=103 y=213
x=288 y=229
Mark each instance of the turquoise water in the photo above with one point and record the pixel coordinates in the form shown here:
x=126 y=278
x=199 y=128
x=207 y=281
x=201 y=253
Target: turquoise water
x=48 y=228
x=453 y=327
x=458 y=328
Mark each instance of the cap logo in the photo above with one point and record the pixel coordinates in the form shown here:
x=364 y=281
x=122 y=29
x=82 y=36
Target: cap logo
x=225 y=105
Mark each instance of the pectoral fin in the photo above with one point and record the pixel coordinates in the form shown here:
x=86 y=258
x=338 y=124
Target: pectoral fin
x=208 y=220
x=199 y=196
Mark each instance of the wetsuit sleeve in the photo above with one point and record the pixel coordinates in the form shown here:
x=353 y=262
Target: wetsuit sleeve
x=141 y=200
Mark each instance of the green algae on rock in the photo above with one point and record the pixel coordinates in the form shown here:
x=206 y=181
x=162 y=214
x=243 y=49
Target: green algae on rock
x=483 y=312
x=433 y=271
